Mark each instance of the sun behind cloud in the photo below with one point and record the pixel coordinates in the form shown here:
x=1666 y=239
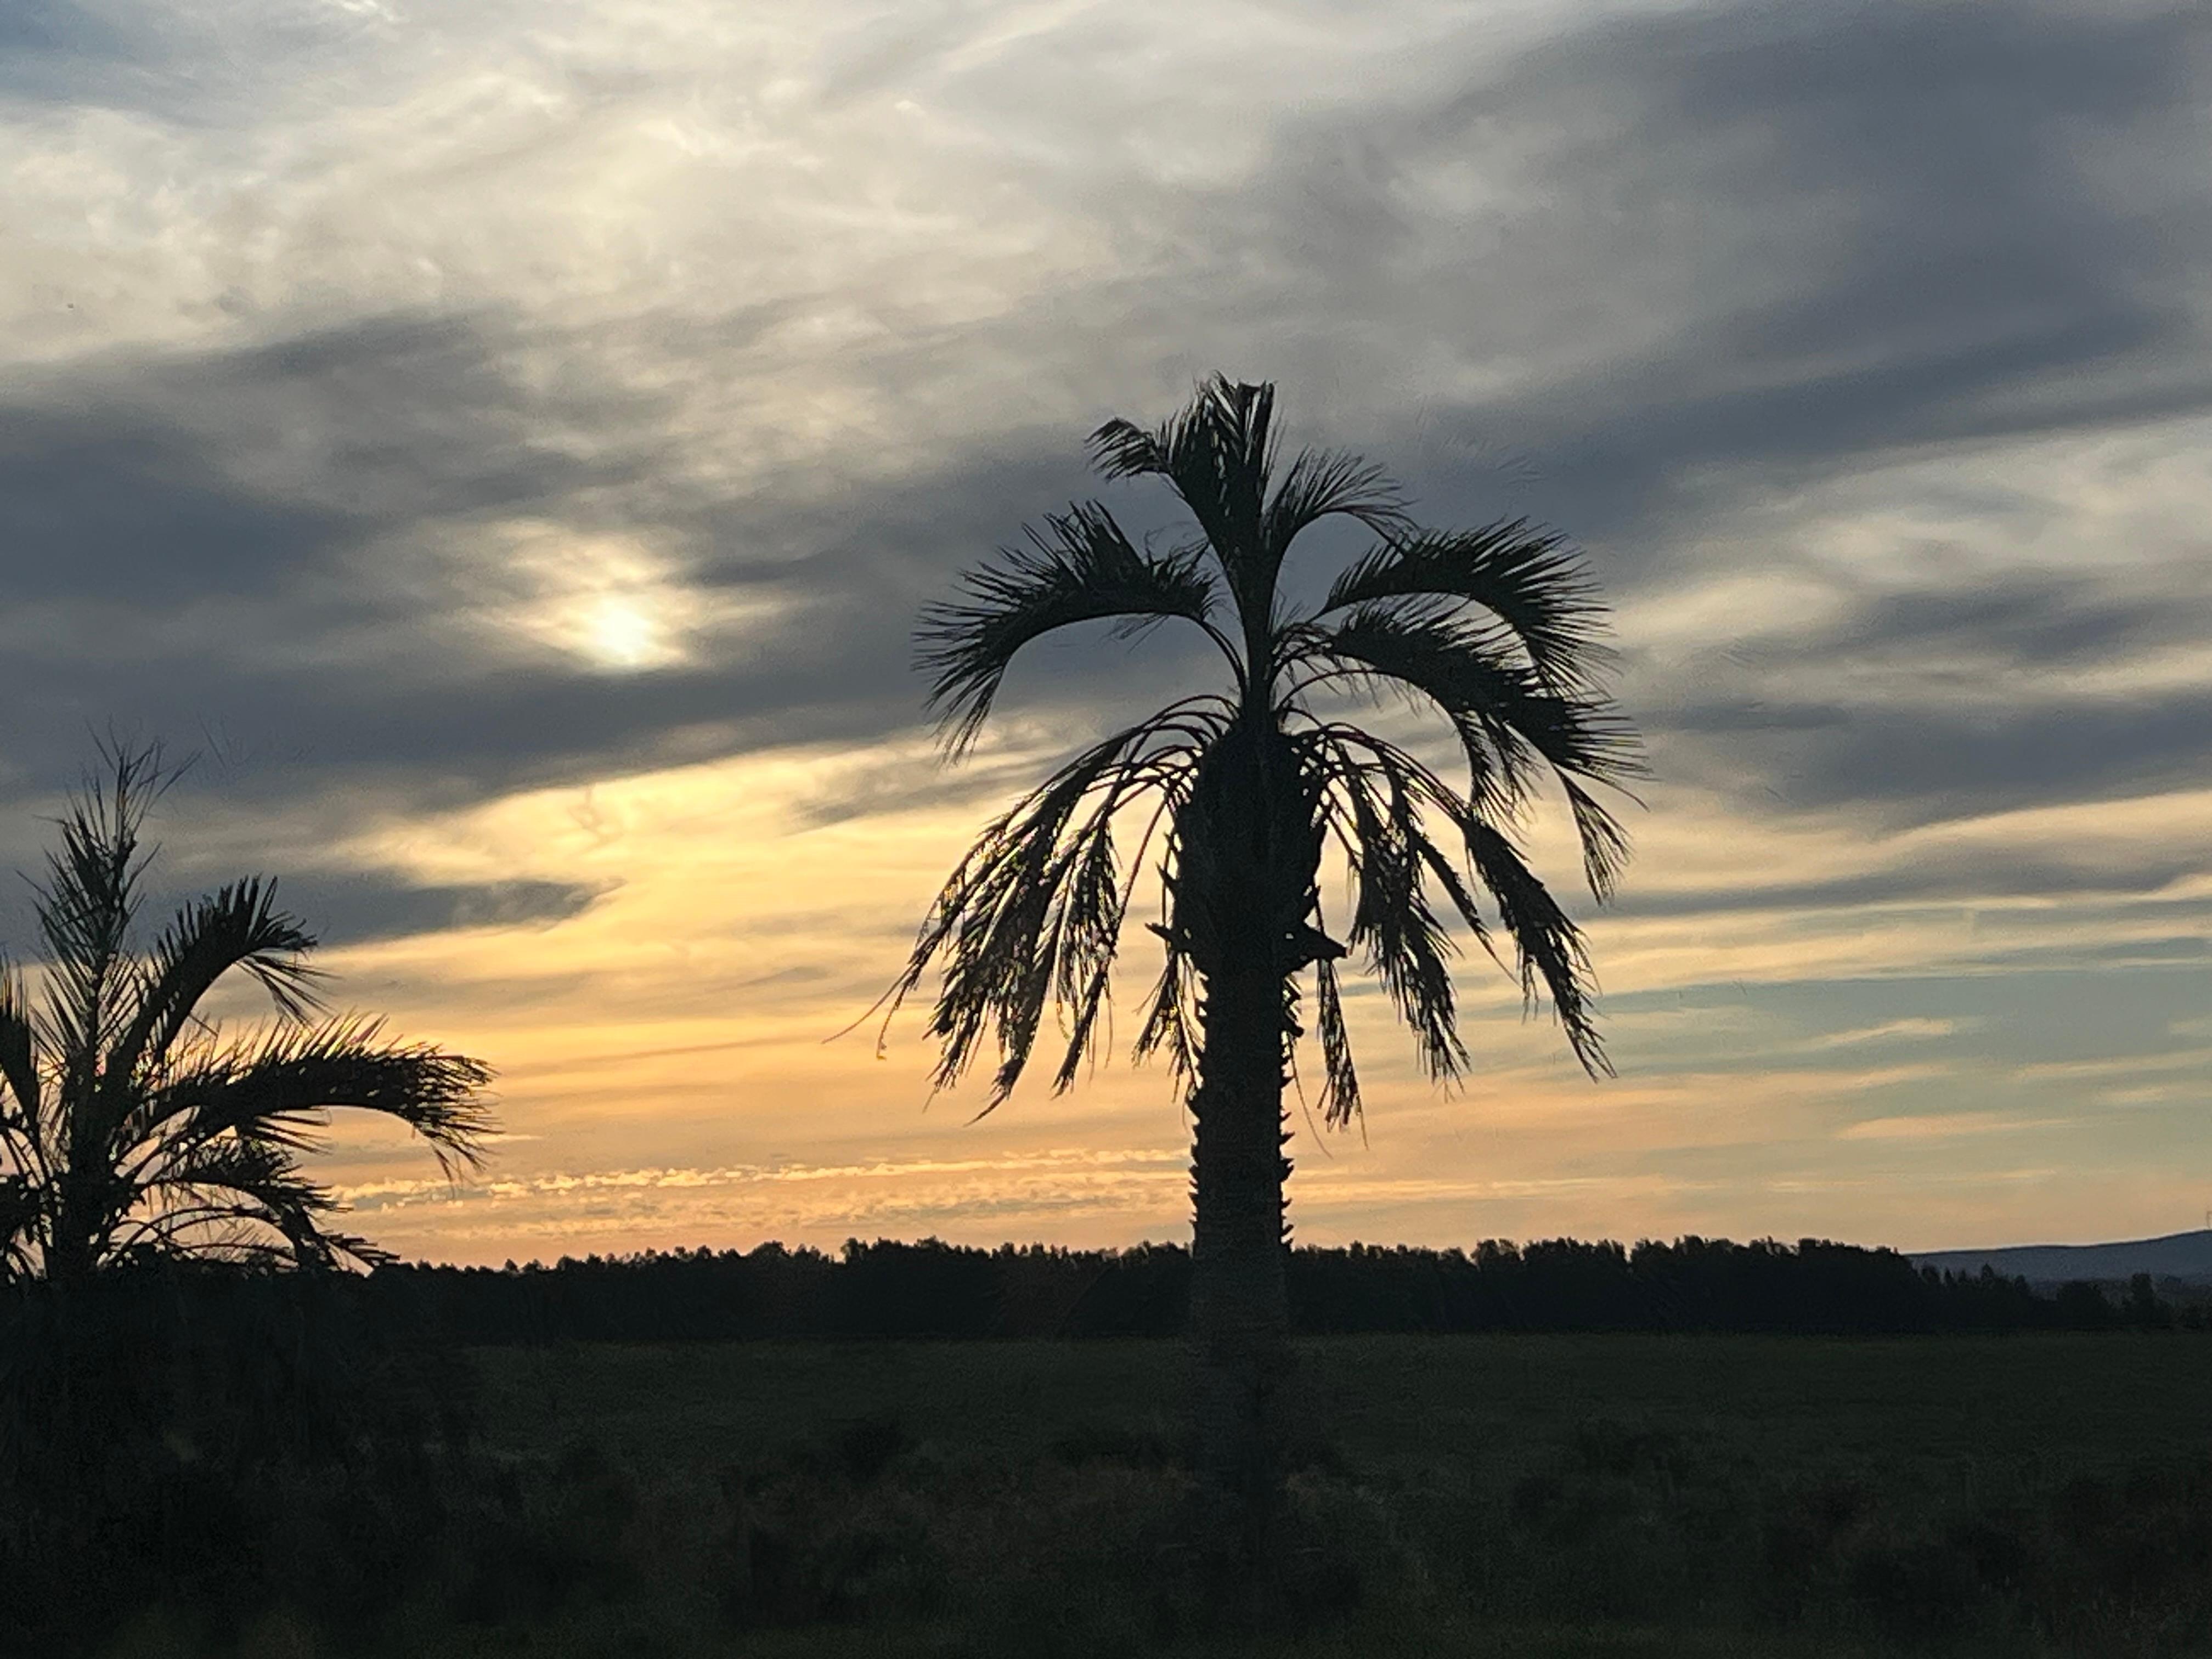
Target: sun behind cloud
x=613 y=604
x=622 y=632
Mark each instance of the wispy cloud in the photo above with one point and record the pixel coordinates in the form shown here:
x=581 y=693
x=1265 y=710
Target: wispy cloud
x=1943 y=1126
x=1890 y=1030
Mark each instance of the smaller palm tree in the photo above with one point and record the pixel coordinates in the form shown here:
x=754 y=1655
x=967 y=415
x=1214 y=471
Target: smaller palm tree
x=131 y=1124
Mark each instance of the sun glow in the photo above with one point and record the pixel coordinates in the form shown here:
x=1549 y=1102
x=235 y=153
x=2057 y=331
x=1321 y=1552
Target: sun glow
x=622 y=632
x=617 y=604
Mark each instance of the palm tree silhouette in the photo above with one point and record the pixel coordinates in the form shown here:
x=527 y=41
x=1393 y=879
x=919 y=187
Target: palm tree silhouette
x=1497 y=629
x=129 y=1125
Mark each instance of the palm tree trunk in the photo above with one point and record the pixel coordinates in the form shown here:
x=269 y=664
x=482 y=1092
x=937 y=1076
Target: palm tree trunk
x=1239 y=1299
x=70 y=1254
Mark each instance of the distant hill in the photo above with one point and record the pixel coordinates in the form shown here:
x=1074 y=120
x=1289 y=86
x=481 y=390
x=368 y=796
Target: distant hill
x=2184 y=1256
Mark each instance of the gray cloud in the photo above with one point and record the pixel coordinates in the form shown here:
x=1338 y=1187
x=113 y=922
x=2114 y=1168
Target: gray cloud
x=1964 y=876
x=352 y=909
x=221 y=543
x=1699 y=258
x=1933 y=758
x=1867 y=228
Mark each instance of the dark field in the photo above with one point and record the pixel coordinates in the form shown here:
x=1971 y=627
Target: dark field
x=1624 y=1496
x=1928 y=1411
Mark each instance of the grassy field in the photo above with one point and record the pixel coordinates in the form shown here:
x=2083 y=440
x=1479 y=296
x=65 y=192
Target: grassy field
x=1931 y=1409
x=1604 y=1495
x=1498 y=1498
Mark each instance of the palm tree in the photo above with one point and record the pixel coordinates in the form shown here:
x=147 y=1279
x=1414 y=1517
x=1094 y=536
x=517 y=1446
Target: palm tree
x=129 y=1125
x=1495 y=629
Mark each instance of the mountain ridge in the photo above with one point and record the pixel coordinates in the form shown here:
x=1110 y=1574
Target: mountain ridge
x=2186 y=1256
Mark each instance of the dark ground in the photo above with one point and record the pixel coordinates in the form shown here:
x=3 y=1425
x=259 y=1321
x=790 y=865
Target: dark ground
x=1612 y=1495
x=1492 y=1405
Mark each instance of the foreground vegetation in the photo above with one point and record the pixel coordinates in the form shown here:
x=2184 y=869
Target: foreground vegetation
x=1618 y=1494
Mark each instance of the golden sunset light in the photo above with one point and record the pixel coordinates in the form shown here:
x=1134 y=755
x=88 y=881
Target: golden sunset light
x=512 y=447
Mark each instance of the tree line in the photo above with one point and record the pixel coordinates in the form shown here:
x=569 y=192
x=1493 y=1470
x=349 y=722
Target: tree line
x=933 y=1290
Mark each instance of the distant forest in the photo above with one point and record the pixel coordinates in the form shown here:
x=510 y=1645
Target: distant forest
x=931 y=1289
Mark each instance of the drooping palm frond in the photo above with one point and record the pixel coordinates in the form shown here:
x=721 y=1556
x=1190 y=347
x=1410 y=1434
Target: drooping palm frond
x=1382 y=802
x=1080 y=568
x=283 y=1089
x=1548 y=942
x=1033 y=915
x=1603 y=838
x=1508 y=719
x=1339 y=1093
x=1530 y=578
x=1377 y=806
x=1170 y=1022
x=1322 y=483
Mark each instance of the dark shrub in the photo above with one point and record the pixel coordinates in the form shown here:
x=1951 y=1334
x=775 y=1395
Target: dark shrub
x=866 y=1447
x=1107 y=1443
x=1603 y=1446
x=1913 y=1590
x=1806 y=1527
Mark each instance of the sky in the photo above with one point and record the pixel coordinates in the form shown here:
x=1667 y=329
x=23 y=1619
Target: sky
x=508 y=442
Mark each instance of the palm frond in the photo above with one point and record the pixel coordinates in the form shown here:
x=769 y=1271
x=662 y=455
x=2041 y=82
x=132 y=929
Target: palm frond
x=21 y=1112
x=263 y=1170
x=1322 y=483
x=1080 y=568
x=88 y=901
x=1381 y=798
x=1549 y=946
x=1033 y=915
x=1375 y=807
x=1604 y=840
x=1507 y=719
x=237 y=927
x=1339 y=1096
x=1216 y=454
x=1464 y=674
x=1170 y=1022
x=1530 y=578
x=280 y=1092
x=219 y=1199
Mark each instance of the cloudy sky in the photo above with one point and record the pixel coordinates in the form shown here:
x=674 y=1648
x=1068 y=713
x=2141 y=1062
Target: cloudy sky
x=508 y=442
